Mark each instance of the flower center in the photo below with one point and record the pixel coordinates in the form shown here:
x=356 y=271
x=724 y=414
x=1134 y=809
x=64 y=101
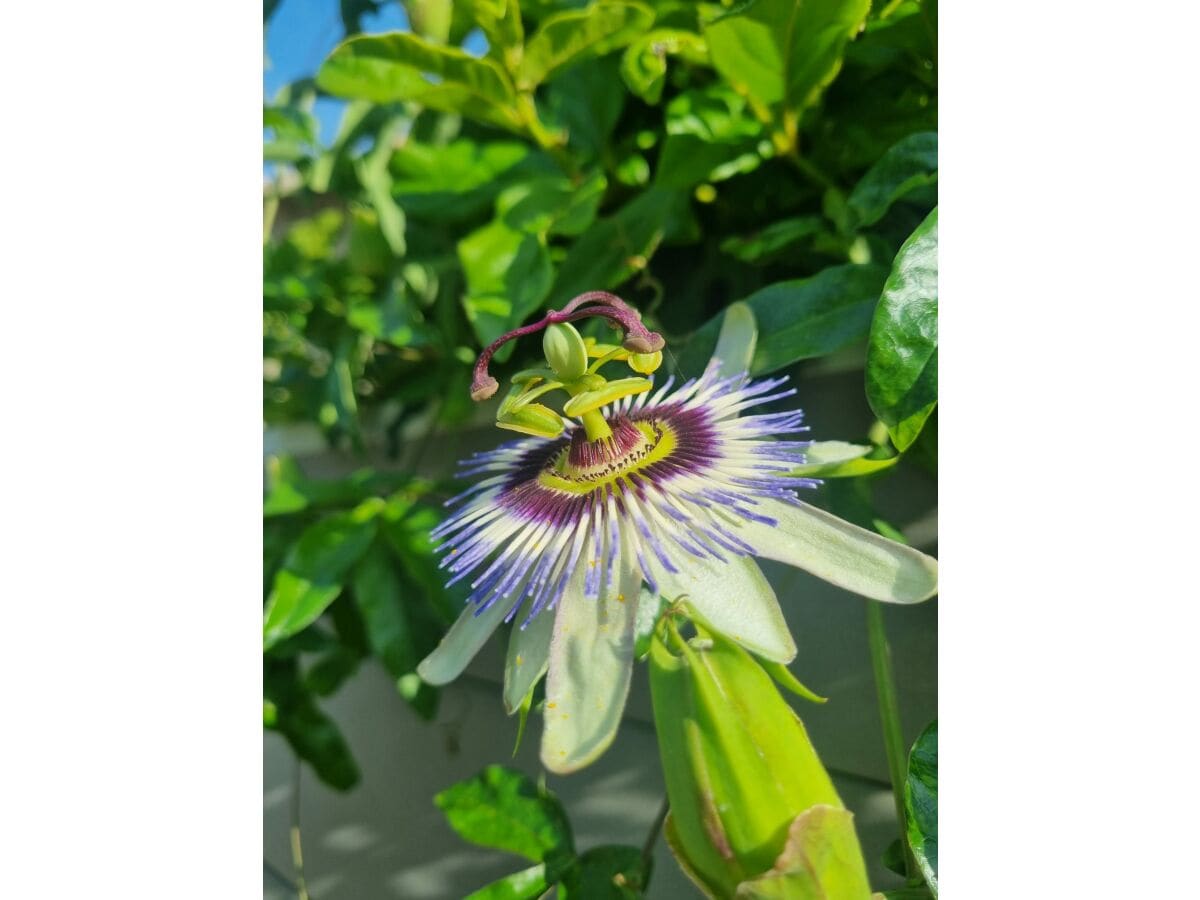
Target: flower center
x=585 y=466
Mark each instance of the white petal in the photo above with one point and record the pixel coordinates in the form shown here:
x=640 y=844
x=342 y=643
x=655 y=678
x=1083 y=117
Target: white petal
x=843 y=554
x=737 y=600
x=735 y=343
x=591 y=658
x=528 y=654
x=461 y=643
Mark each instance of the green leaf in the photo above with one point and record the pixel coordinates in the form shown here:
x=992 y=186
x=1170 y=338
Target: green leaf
x=611 y=872
x=784 y=52
x=800 y=319
x=575 y=35
x=379 y=596
x=909 y=164
x=312 y=735
x=893 y=857
x=387 y=68
x=552 y=204
x=711 y=136
x=331 y=670
x=528 y=884
x=508 y=275
x=920 y=804
x=644 y=63
x=585 y=102
x=838 y=459
x=620 y=245
x=504 y=809
x=315 y=568
x=902 y=352
x=456 y=181
x=290 y=122
x=770 y=243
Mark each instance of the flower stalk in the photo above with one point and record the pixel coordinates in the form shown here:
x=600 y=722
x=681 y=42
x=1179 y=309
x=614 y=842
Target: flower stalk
x=889 y=715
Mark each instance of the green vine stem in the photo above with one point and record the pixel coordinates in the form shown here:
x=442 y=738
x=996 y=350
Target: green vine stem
x=889 y=715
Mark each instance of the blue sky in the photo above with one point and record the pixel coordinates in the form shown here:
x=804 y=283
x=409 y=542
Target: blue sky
x=300 y=35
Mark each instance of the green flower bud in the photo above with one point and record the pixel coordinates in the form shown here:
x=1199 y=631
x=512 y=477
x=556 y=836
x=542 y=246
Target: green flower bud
x=751 y=804
x=565 y=351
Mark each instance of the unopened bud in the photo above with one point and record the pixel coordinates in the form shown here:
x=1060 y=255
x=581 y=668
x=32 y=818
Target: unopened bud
x=565 y=351
x=750 y=801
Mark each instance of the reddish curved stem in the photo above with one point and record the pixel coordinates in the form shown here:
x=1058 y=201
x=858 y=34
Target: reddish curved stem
x=621 y=314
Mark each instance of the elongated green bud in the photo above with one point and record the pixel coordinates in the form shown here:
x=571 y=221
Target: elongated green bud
x=565 y=351
x=752 y=808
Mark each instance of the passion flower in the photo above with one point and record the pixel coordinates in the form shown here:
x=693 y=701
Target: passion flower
x=676 y=490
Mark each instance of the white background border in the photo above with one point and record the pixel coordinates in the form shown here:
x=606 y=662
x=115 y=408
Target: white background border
x=131 y=662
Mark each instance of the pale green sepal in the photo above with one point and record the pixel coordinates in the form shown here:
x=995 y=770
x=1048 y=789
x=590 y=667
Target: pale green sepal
x=838 y=459
x=464 y=639
x=528 y=653
x=649 y=608
x=735 y=599
x=783 y=676
x=591 y=660
x=840 y=553
x=821 y=860
x=526 y=705
x=736 y=342
x=611 y=391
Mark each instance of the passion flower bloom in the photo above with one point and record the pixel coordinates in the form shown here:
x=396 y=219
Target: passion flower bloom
x=661 y=494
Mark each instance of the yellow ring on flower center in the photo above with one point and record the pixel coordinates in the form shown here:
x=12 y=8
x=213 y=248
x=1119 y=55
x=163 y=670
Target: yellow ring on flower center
x=559 y=474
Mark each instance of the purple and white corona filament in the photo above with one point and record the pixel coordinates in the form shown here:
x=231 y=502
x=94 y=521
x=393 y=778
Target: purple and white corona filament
x=681 y=475
x=649 y=494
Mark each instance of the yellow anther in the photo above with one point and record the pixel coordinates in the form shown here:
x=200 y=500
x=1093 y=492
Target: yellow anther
x=645 y=363
x=609 y=393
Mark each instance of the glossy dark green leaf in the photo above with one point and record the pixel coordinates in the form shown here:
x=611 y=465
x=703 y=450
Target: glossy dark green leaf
x=508 y=274
x=902 y=352
x=528 y=884
x=800 y=319
x=920 y=804
x=315 y=569
x=612 y=872
x=505 y=809
x=572 y=36
x=644 y=63
x=909 y=164
x=783 y=52
x=617 y=246
x=398 y=66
